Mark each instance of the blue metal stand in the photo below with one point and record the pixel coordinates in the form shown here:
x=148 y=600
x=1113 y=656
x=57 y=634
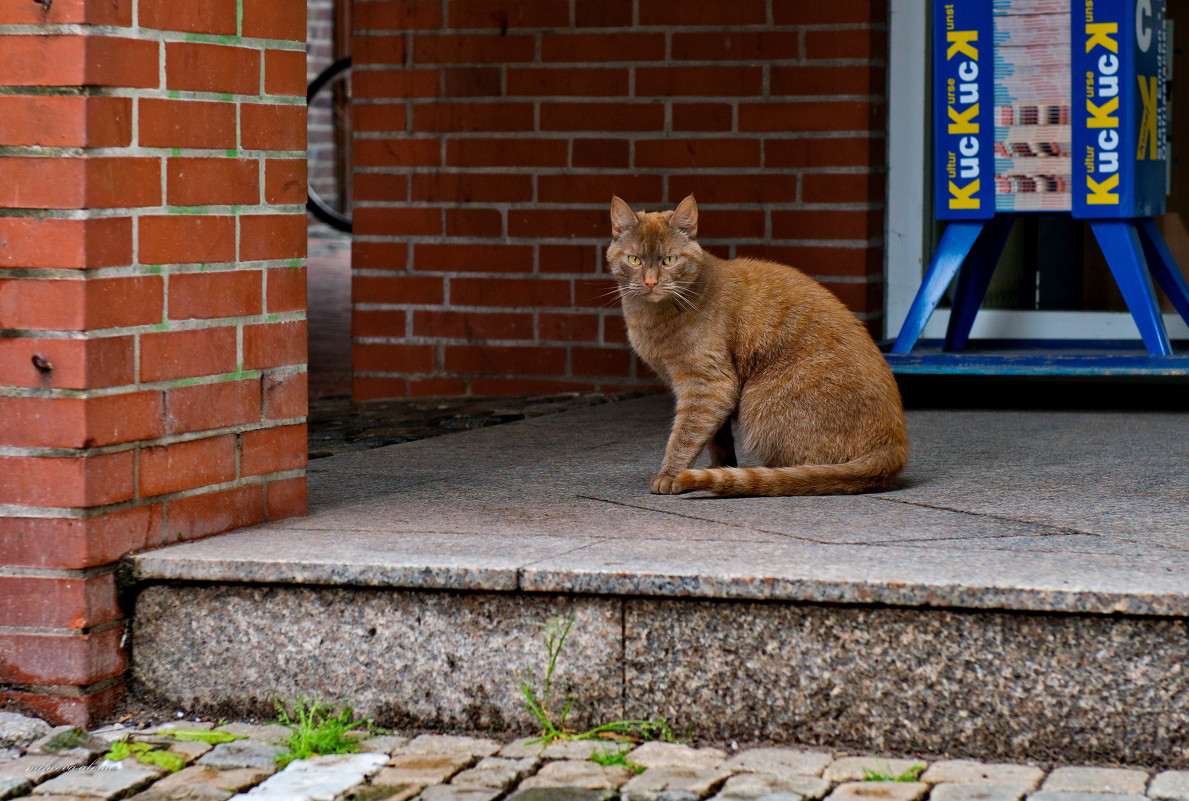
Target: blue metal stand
x=1119 y=240
x=974 y=278
x=956 y=242
x=1134 y=249
x=1164 y=268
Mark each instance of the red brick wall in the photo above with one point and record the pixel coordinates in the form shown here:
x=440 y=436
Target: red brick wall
x=491 y=135
x=152 y=307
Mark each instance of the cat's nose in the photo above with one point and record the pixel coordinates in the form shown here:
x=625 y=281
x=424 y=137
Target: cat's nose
x=650 y=282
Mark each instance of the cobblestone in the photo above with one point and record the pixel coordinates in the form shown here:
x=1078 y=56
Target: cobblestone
x=562 y=794
x=964 y=770
x=663 y=781
x=451 y=792
x=241 y=754
x=384 y=744
x=103 y=782
x=879 y=791
x=321 y=778
x=853 y=769
x=14 y=785
x=674 y=755
x=442 y=767
x=780 y=762
x=1092 y=780
x=20 y=730
x=1172 y=785
x=422 y=769
x=1058 y=795
x=496 y=772
x=755 y=786
x=270 y=733
x=202 y=783
x=573 y=773
x=449 y=744
x=977 y=792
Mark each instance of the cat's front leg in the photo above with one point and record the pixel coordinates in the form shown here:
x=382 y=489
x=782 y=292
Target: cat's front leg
x=703 y=409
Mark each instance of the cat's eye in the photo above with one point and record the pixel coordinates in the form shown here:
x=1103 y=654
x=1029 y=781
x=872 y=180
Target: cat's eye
x=634 y=260
x=669 y=261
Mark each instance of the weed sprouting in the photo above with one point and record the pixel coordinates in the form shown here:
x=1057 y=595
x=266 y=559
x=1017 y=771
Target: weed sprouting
x=147 y=754
x=316 y=729
x=553 y=727
x=620 y=758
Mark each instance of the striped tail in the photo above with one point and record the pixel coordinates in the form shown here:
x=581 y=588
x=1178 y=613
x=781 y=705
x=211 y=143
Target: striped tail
x=868 y=473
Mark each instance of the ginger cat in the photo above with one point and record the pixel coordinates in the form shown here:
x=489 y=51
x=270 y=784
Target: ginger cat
x=761 y=342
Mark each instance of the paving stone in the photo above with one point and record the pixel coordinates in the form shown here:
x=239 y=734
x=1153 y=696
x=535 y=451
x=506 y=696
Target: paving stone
x=389 y=792
x=1059 y=795
x=69 y=741
x=879 y=791
x=12 y=786
x=113 y=733
x=577 y=749
x=39 y=767
x=572 y=773
x=266 y=733
x=99 y=782
x=422 y=769
x=241 y=754
x=131 y=763
x=495 y=772
x=766 y=787
x=973 y=791
x=190 y=749
x=673 y=755
x=661 y=795
x=20 y=730
x=203 y=783
x=520 y=749
x=562 y=794
x=320 y=778
x=779 y=761
x=192 y=725
x=451 y=744
x=965 y=770
x=856 y=768
x=1172 y=785
x=384 y=744
x=656 y=784
x=450 y=792
x=1096 y=780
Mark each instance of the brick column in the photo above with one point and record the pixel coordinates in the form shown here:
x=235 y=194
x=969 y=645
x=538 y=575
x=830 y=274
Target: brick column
x=152 y=307
x=490 y=136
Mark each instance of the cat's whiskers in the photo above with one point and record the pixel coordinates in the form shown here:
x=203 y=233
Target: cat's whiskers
x=612 y=296
x=681 y=294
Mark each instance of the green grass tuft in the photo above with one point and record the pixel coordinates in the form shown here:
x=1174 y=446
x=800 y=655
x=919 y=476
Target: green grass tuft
x=886 y=775
x=539 y=701
x=620 y=758
x=146 y=754
x=317 y=730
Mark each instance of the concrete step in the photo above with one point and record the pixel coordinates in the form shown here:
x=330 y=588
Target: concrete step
x=1024 y=596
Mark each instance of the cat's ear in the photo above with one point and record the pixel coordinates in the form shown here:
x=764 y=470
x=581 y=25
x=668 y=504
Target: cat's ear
x=622 y=217
x=685 y=218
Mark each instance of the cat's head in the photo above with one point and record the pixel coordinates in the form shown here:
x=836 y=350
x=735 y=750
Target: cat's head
x=653 y=254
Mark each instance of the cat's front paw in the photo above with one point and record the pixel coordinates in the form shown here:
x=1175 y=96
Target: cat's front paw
x=666 y=485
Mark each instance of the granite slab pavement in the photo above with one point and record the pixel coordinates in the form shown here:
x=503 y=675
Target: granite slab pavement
x=1037 y=511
